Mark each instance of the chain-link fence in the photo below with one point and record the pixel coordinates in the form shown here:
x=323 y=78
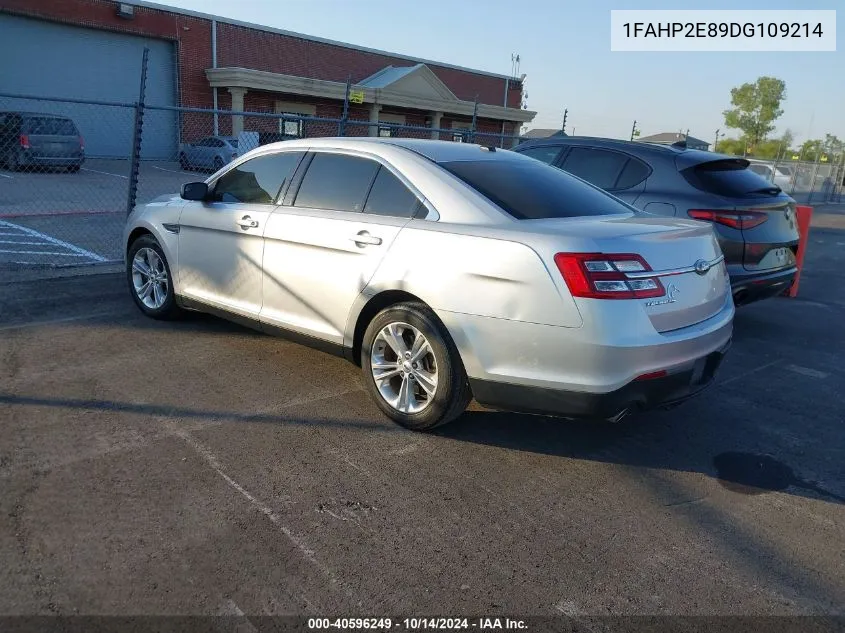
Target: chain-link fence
x=64 y=173
x=66 y=166
x=810 y=182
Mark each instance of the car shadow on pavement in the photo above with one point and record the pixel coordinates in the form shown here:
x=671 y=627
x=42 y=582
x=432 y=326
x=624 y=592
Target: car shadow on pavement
x=692 y=440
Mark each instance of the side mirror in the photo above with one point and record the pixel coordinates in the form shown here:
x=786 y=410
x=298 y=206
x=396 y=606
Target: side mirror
x=194 y=191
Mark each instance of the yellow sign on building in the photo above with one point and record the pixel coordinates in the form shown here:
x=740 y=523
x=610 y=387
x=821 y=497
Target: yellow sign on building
x=356 y=96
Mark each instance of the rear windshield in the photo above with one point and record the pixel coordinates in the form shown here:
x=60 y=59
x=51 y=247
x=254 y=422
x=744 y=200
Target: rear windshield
x=531 y=190
x=730 y=178
x=49 y=125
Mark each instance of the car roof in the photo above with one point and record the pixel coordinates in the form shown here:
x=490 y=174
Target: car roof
x=683 y=156
x=437 y=151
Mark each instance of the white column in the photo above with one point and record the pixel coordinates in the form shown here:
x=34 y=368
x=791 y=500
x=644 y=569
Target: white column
x=374 y=112
x=237 y=106
x=436 y=118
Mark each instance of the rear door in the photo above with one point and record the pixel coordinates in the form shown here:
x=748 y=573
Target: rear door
x=748 y=208
x=325 y=244
x=616 y=172
x=52 y=137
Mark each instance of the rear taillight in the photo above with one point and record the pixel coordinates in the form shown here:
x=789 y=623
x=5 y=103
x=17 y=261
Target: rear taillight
x=603 y=276
x=24 y=141
x=82 y=143
x=733 y=219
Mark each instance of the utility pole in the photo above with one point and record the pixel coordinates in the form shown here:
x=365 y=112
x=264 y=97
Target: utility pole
x=563 y=126
x=634 y=130
x=716 y=142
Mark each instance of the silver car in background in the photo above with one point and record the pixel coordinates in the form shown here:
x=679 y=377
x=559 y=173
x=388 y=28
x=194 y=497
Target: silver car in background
x=446 y=271
x=211 y=153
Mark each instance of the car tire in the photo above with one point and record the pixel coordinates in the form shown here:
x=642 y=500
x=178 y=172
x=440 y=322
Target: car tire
x=183 y=162
x=412 y=399
x=156 y=300
x=73 y=169
x=218 y=163
x=12 y=162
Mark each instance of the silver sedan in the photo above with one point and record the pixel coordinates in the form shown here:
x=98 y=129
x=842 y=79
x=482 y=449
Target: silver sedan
x=446 y=271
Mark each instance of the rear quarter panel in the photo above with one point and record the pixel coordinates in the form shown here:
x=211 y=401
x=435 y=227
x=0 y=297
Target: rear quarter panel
x=483 y=275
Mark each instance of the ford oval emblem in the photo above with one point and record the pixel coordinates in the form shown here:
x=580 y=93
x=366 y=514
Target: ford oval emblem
x=701 y=267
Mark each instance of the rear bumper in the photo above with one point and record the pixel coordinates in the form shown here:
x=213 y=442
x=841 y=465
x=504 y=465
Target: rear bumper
x=638 y=395
x=749 y=288
x=29 y=158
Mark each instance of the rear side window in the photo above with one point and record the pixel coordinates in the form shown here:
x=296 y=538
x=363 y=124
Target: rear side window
x=544 y=153
x=731 y=178
x=257 y=181
x=389 y=196
x=598 y=167
x=49 y=125
x=633 y=173
x=336 y=182
x=530 y=190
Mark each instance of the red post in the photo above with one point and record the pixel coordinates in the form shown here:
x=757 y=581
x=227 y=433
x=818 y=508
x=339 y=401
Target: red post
x=804 y=214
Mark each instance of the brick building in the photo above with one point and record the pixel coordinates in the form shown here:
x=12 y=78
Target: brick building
x=91 y=49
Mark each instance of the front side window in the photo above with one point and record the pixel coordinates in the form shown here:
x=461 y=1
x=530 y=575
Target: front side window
x=336 y=182
x=530 y=190
x=257 y=181
x=389 y=196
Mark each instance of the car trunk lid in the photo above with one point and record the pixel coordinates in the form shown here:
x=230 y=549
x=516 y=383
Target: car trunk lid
x=681 y=257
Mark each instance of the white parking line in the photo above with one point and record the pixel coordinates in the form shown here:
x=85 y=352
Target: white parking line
x=52 y=240
x=7 y=176
x=173 y=171
x=806 y=371
x=105 y=173
x=20 y=243
x=44 y=253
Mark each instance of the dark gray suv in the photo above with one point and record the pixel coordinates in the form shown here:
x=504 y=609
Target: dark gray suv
x=754 y=219
x=34 y=140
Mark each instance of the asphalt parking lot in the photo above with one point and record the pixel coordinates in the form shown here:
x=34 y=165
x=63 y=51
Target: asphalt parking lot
x=201 y=468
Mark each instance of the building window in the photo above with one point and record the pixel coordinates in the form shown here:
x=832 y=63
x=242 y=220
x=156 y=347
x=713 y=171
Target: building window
x=460 y=131
x=386 y=119
x=291 y=127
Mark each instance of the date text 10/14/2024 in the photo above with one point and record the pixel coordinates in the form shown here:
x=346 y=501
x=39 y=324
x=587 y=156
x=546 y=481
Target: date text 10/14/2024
x=418 y=624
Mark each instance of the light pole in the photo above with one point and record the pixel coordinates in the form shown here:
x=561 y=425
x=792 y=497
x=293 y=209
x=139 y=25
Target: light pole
x=634 y=130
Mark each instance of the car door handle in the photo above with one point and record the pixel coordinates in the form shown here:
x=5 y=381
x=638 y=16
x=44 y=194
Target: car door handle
x=247 y=222
x=363 y=238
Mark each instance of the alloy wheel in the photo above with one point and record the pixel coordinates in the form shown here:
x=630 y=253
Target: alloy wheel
x=149 y=278
x=404 y=367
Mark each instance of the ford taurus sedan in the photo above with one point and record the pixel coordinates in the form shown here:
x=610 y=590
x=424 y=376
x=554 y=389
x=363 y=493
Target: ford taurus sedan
x=446 y=271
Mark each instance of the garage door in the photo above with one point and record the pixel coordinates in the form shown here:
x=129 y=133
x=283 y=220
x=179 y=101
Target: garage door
x=58 y=60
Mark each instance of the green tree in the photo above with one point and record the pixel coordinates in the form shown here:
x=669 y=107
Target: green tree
x=832 y=144
x=755 y=108
x=732 y=146
x=811 y=148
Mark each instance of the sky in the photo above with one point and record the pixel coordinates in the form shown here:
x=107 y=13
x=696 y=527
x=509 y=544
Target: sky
x=564 y=48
